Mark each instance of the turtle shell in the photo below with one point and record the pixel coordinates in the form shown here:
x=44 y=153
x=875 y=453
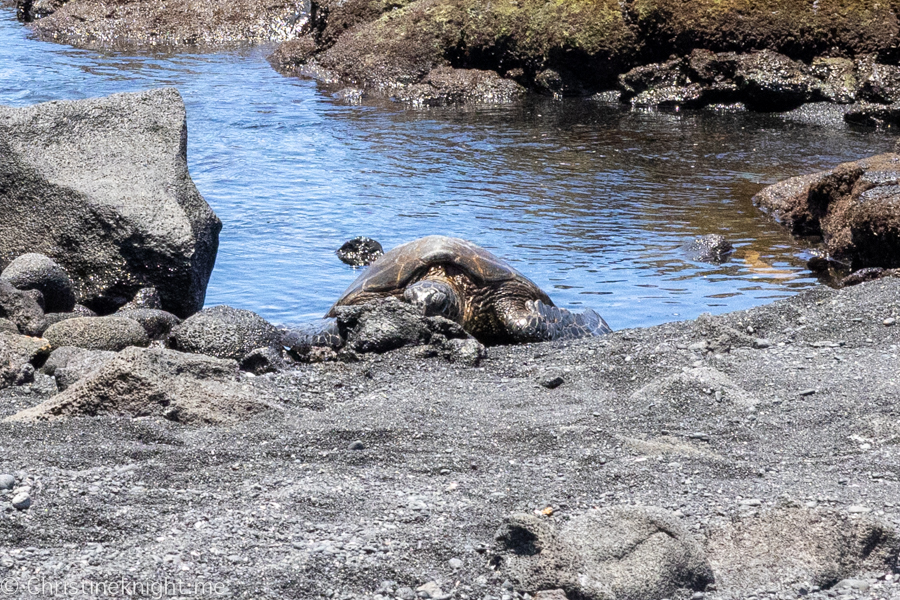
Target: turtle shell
x=405 y=264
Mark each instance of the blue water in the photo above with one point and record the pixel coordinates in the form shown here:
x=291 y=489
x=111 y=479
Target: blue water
x=590 y=201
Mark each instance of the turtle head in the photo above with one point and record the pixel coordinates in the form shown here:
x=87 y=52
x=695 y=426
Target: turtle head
x=435 y=298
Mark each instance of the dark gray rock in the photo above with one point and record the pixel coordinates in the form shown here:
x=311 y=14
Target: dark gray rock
x=620 y=552
x=77 y=311
x=17 y=352
x=101 y=186
x=145 y=298
x=97 y=333
x=263 y=360
x=37 y=272
x=7 y=326
x=389 y=324
x=853 y=206
x=21 y=308
x=224 y=332
x=69 y=364
x=712 y=248
x=7 y=481
x=360 y=251
x=140 y=382
x=157 y=323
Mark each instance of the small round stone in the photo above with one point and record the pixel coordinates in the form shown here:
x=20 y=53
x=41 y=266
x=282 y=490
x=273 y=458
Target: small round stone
x=7 y=482
x=890 y=321
x=21 y=501
x=455 y=563
x=357 y=445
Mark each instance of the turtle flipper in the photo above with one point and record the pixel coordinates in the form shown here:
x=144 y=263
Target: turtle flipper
x=322 y=332
x=539 y=322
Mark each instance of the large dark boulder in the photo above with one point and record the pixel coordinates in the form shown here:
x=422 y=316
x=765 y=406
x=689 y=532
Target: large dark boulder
x=101 y=186
x=37 y=272
x=855 y=207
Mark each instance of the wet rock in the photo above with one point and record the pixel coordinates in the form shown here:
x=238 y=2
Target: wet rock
x=97 y=333
x=712 y=248
x=854 y=207
x=360 y=251
x=57 y=152
x=37 y=272
x=224 y=332
x=22 y=309
x=68 y=364
x=880 y=83
x=148 y=24
x=840 y=82
x=873 y=115
x=389 y=324
x=17 y=352
x=157 y=323
x=144 y=298
x=444 y=86
x=141 y=382
x=614 y=552
x=868 y=274
x=784 y=545
x=263 y=360
x=31 y=10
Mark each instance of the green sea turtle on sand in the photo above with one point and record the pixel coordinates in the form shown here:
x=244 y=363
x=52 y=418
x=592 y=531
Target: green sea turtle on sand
x=460 y=281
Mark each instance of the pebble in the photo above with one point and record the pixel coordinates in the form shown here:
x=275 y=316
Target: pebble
x=857 y=509
x=853 y=584
x=430 y=590
x=406 y=593
x=889 y=321
x=751 y=502
x=357 y=445
x=761 y=343
x=808 y=392
x=21 y=501
x=455 y=563
x=7 y=482
x=551 y=382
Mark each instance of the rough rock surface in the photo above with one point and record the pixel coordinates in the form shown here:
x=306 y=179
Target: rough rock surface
x=224 y=332
x=708 y=248
x=144 y=298
x=22 y=309
x=37 y=272
x=17 y=354
x=580 y=47
x=855 y=207
x=69 y=364
x=394 y=471
x=132 y=23
x=360 y=251
x=145 y=382
x=793 y=544
x=97 y=333
x=614 y=553
x=157 y=323
x=101 y=186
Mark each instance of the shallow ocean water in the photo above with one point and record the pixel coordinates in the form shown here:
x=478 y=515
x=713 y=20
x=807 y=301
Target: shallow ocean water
x=589 y=200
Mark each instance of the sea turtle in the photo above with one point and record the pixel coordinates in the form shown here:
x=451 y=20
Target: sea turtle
x=458 y=280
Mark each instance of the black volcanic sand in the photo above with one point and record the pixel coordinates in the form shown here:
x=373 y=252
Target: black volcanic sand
x=787 y=405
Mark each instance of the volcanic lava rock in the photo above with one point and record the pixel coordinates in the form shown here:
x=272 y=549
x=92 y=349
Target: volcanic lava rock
x=17 y=352
x=102 y=188
x=224 y=332
x=21 y=308
x=141 y=382
x=69 y=364
x=37 y=272
x=97 y=333
x=360 y=251
x=712 y=248
x=157 y=323
x=855 y=207
x=619 y=552
x=144 y=298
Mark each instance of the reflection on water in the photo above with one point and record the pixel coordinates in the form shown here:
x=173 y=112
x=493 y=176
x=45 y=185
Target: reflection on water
x=590 y=201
